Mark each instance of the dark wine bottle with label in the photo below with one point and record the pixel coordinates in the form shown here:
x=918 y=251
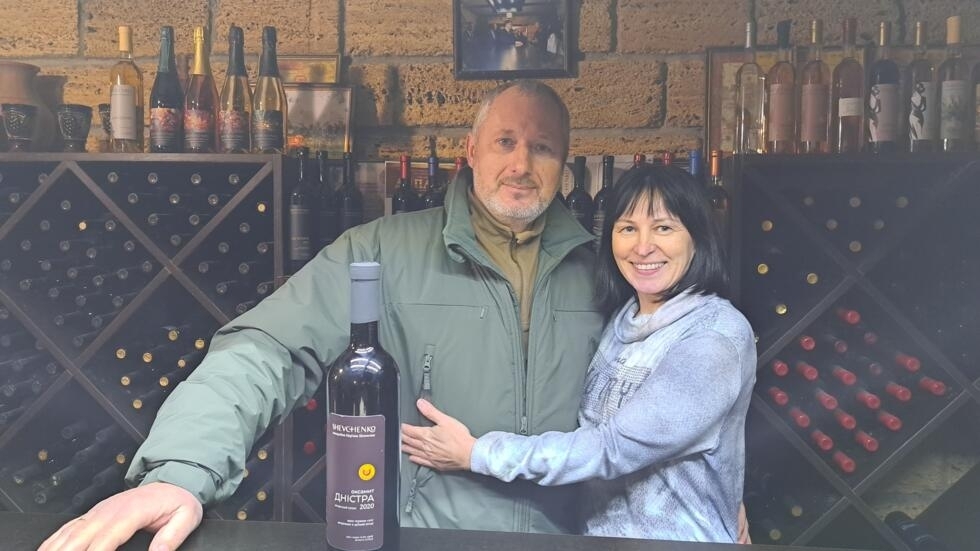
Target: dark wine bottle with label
x=599 y=218
x=578 y=200
x=328 y=211
x=362 y=429
x=404 y=199
x=301 y=219
x=350 y=199
x=166 y=100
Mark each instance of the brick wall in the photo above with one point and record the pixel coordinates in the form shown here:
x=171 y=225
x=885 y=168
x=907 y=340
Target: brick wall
x=640 y=85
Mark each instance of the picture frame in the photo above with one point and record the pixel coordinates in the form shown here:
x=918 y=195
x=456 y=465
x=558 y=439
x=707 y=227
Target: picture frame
x=508 y=39
x=309 y=69
x=319 y=117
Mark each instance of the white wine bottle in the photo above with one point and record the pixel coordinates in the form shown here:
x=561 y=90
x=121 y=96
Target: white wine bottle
x=126 y=98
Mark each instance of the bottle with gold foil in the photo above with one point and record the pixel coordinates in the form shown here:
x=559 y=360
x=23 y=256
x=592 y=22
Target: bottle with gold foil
x=200 y=101
x=955 y=104
x=269 y=118
x=815 y=96
x=126 y=98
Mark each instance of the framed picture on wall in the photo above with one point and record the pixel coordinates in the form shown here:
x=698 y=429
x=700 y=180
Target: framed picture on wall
x=506 y=39
x=312 y=69
x=319 y=117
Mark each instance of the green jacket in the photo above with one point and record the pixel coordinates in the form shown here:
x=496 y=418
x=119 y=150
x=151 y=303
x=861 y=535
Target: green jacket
x=450 y=320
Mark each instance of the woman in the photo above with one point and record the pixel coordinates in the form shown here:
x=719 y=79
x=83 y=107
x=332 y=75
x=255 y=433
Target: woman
x=660 y=445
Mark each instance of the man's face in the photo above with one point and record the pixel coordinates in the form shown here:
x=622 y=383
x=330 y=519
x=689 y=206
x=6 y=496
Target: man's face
x=517 y=156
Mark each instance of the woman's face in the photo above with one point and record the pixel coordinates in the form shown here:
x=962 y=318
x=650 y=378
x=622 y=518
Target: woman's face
x=652 y=251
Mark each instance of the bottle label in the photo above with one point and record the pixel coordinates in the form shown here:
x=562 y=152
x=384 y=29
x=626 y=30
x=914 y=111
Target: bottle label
x=355 y=482
x=122 y=111
x=198 y=129
x=781 y=112
x=233 y=131
x=883 y=106
x=267 y=130
x=923 y=111
x=300 y=246
x=954 y=110
x=850 y=107
x=165 y=124
x=813 y=119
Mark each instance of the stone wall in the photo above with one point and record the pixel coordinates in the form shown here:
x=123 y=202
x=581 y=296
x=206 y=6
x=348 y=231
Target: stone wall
x=640 y=83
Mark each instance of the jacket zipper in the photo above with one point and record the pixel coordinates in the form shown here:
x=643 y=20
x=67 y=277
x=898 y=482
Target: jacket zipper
x=425 y=392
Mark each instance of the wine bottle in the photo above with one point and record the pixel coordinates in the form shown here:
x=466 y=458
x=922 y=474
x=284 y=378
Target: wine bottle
x=883 y=105
x=578 y=200
x=955 y=105
x=778 y=395
x=362 y=398
x=750 y=97
x=166 y=100
x=350 y=200
x=269 y=112
x=639 y=159
x=847 y=96
x=300 y=215
x=718 y=195
x=815 y=96
x=799 y=417
x=126 y=98
x=404 y=198
x=328 y=211
x=912 y=533
x=235 y=102
x=920 y=92
x=200 y=101
x=599 y=218
x=781 y=107
x=434 y=193
x=844 y=462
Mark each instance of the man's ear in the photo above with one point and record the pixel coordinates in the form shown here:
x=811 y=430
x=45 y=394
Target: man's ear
x=470 y=148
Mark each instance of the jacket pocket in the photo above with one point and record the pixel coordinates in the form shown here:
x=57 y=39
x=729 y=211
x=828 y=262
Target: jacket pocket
x=422 y=474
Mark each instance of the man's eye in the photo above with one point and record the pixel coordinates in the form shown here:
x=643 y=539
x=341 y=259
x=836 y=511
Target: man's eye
x=505 y=142
x=543 y=148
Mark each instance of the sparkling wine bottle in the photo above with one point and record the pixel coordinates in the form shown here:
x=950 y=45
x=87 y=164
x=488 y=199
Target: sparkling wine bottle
x=166 y=100
x=269 y=112
x=235 y=101
x=200 y=101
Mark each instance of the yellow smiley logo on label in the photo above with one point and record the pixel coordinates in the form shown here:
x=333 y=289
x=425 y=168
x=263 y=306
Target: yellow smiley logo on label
x=366 y=472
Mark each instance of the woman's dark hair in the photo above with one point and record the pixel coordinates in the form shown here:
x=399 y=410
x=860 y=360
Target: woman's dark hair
x=685 y=198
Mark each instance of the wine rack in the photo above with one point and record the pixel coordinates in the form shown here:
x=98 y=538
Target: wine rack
x=115 y=271
x=858 y=274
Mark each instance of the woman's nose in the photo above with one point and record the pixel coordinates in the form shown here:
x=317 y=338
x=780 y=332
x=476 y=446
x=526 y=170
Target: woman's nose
x=645 y=245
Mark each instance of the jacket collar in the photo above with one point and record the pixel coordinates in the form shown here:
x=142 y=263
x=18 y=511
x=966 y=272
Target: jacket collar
x=561 y=234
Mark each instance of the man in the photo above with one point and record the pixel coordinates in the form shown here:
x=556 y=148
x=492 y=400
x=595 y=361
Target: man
x=487 y=309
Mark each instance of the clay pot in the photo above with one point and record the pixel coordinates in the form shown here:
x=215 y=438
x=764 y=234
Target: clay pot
x=17 y=86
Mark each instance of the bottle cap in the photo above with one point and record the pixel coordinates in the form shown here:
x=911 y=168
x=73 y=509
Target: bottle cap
x=953 y=30
x=365 y=271
x=126 y=38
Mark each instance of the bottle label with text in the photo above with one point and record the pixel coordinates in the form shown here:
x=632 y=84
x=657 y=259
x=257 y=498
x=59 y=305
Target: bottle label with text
x=955 y=110
x=813 y=119
x=267 y=130
x=355 y=481
x=850 y=107
x=883 y=107
x=780 y=112
x=233 y=131
x=165 y=124
x=923 y=111
x=300 y=246
x=122 y=111
x=198 y=129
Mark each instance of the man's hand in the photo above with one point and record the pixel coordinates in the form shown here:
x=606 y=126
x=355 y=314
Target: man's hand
x=743 y=525
x=445 y=447
x=170 y=511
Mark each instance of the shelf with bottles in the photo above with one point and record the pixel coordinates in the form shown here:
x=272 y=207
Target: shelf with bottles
x=781 y=498
x=72 y=266
x=26 y=372
x=937 y=471
x=256 y=495
x=308 y=438
x=854 y=387
x=235 y=265
x=18 y=182
x=138 y=366
x=65 y=459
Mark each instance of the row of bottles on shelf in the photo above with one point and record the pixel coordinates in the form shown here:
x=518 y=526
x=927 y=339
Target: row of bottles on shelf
x=77 y=465
x=809 y=109
x=26 y=369
x=196 y=118
x=847 y=388
x=253 y=500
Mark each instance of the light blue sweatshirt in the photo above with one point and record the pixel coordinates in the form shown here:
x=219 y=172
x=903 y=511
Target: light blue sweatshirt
x=661 y=441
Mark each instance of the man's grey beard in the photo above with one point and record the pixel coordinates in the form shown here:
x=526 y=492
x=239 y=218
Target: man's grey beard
x=525 y=214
